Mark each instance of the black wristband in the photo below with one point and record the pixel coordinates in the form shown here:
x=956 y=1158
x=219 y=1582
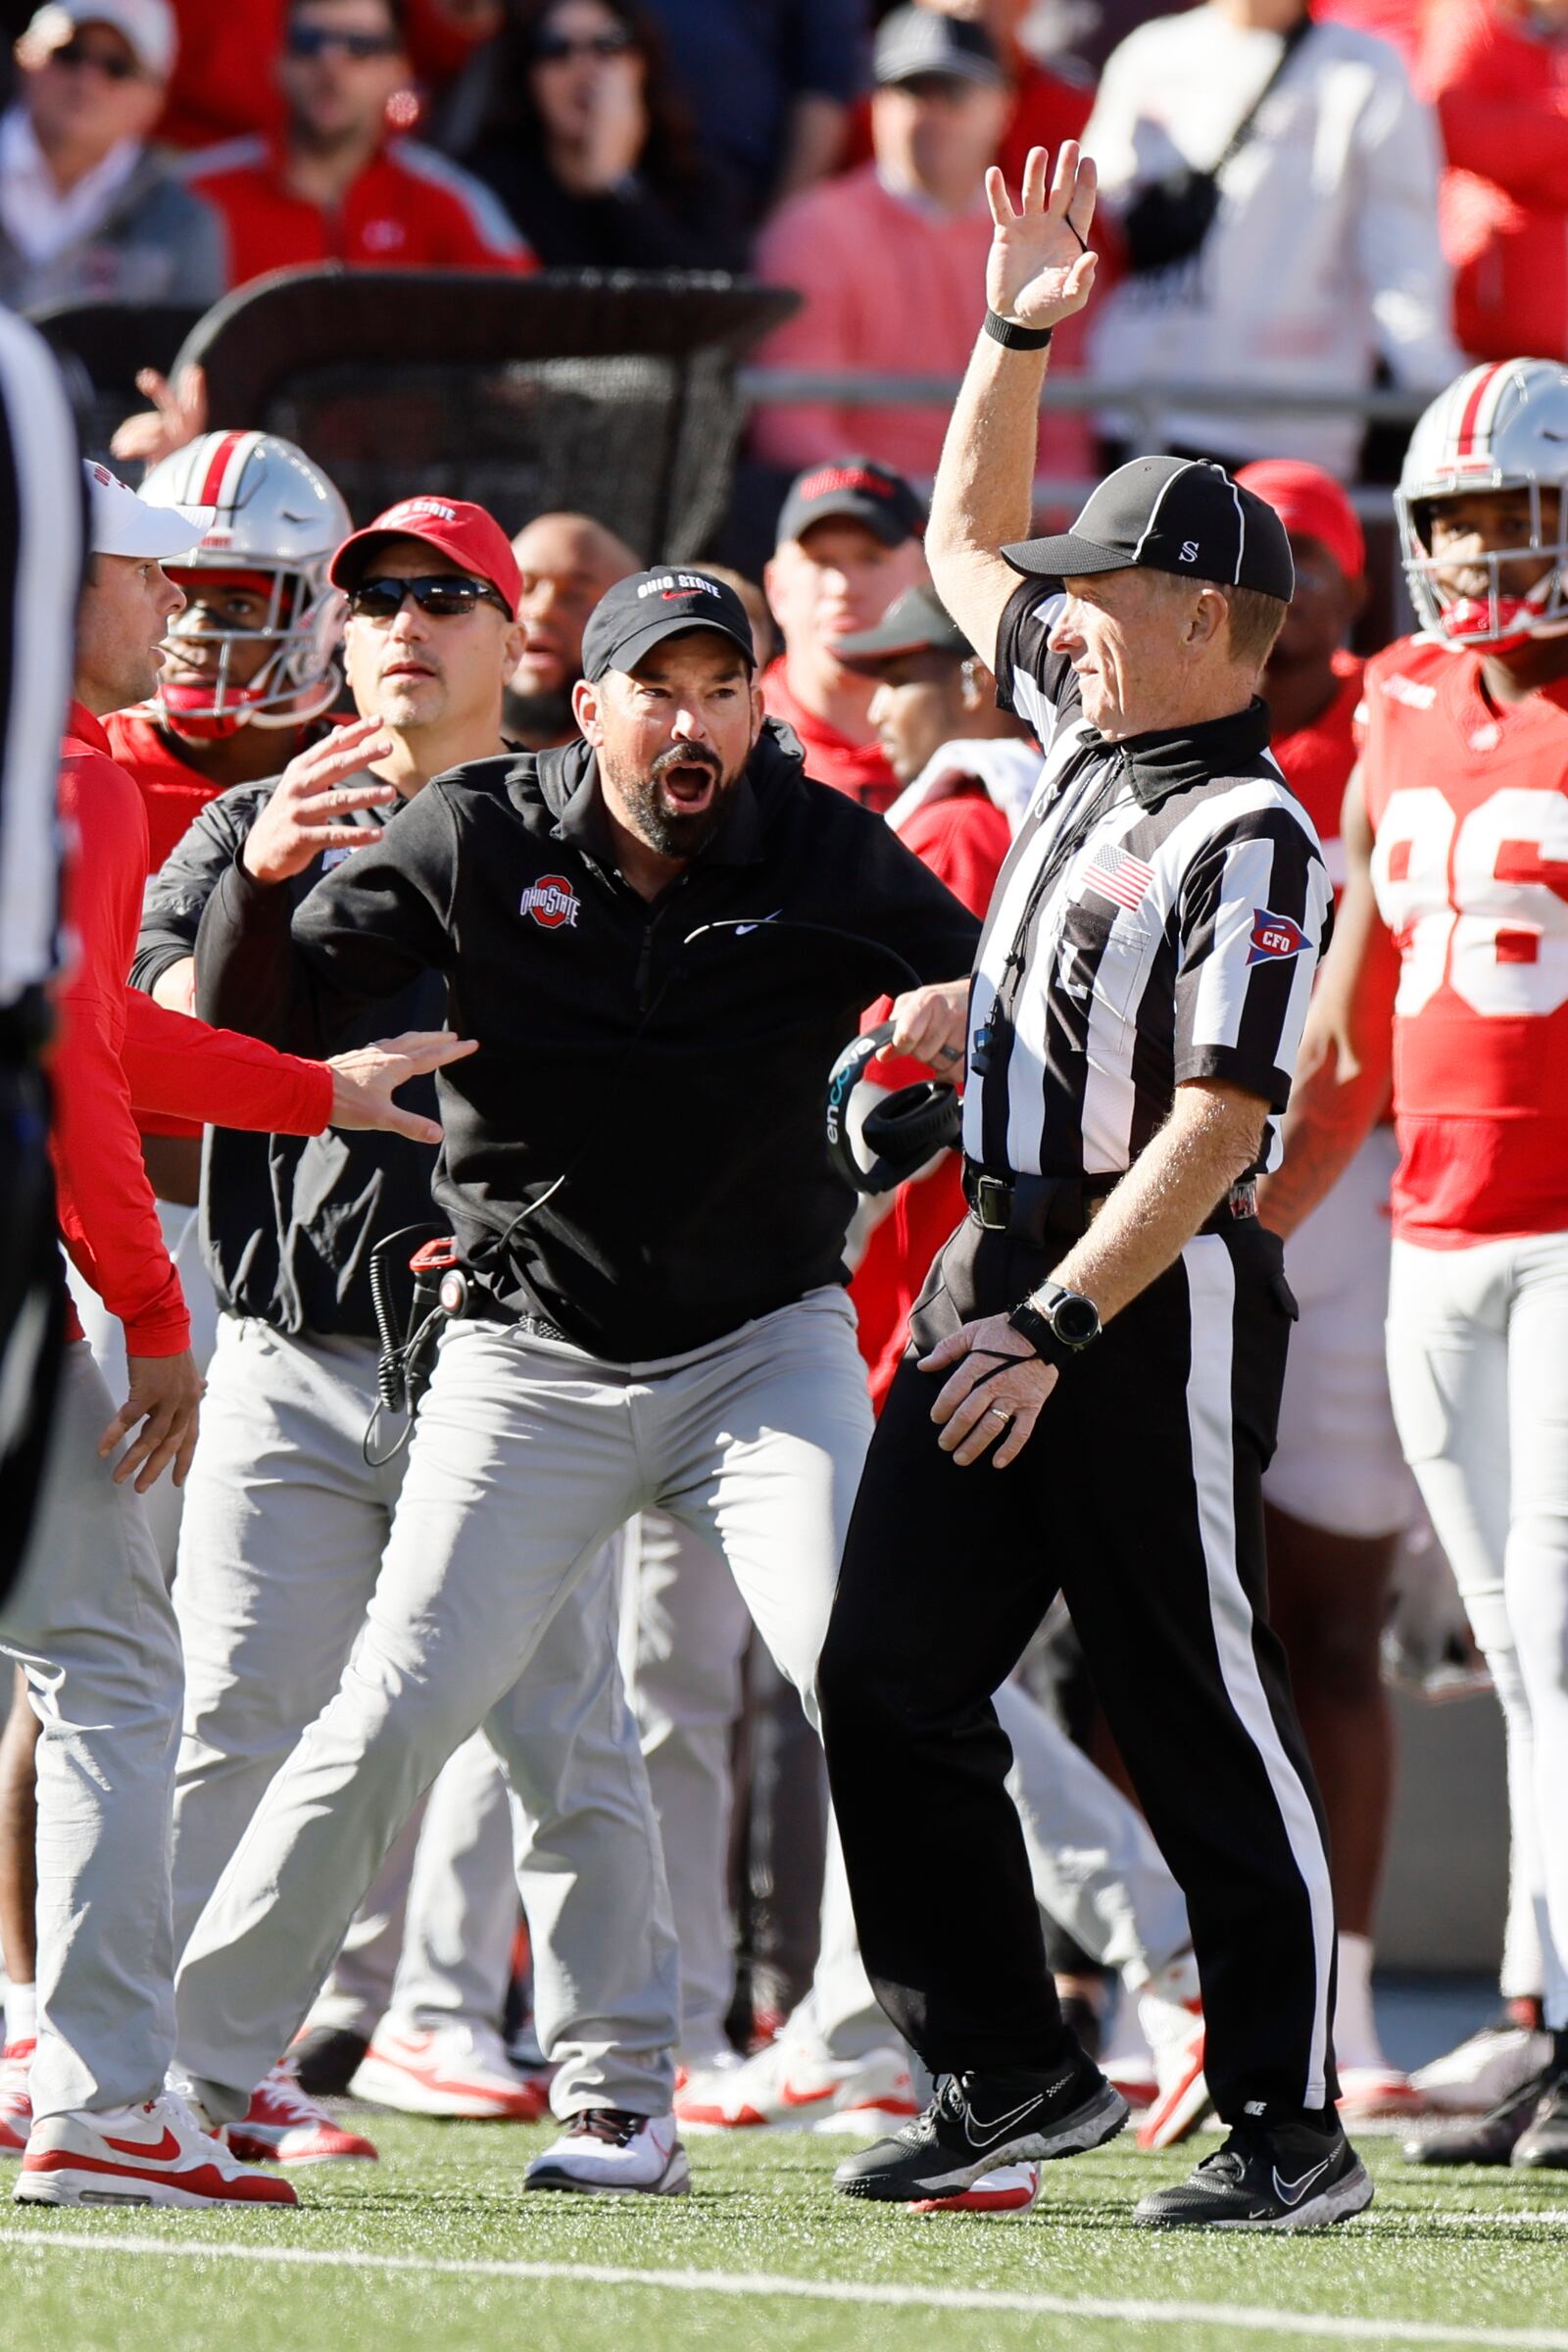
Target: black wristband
x=1014 y=337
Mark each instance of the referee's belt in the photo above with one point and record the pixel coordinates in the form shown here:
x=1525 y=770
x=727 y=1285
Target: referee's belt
x=1033 y=1207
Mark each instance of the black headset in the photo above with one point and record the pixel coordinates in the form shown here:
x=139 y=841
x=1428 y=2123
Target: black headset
x=903 y=1131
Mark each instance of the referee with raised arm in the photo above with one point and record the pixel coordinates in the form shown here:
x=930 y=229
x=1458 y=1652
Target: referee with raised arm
x=1107 y=1328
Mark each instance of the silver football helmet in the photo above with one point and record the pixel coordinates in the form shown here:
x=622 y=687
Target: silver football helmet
x=280 y=518
x=1501 y=426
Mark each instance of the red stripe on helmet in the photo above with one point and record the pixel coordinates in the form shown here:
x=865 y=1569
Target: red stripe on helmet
x=217 y=466
x=1464 y=442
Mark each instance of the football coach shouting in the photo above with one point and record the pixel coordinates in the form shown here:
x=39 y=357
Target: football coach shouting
x=665 y=932
x=1099 y=1351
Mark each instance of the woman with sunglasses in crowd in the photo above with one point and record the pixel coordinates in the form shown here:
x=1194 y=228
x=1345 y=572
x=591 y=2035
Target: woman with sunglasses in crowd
x=585 y=143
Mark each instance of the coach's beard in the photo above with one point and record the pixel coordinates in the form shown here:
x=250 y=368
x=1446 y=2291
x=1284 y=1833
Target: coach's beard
x=685 y=770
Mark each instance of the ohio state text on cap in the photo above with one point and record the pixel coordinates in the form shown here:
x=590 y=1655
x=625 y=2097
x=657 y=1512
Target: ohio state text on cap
x=859 y=490
x=639 y=612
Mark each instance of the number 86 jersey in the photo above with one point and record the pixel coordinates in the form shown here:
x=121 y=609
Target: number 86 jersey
x=1468 y=804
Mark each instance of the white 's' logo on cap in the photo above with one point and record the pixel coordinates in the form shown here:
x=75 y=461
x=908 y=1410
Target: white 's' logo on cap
x=1189 y=550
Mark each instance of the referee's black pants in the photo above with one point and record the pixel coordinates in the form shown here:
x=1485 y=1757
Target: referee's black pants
x=1138 y=1497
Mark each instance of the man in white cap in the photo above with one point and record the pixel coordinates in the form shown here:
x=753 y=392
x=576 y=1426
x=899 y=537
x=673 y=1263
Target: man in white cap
x=87 y=211
x=90 y=1621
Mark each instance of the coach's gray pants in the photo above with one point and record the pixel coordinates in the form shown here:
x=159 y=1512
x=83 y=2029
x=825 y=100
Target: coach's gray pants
x=1096 y=1869
x=526 y=1458
x=280 y=1547
x=91 y=1626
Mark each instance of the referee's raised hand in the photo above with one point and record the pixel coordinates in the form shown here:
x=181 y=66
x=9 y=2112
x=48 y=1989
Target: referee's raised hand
x=994 y=1395
x=305 y=815
x=1040 y=270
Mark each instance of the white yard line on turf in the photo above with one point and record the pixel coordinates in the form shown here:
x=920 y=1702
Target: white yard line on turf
x=1236 y=2318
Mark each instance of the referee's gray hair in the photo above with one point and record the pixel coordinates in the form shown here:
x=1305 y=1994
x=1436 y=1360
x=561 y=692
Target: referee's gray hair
x=1253 y=619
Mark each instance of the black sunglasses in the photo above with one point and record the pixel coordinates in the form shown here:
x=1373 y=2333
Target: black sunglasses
x=554 y=48
x=443 y=595
x=112 y=63
x=314 y=40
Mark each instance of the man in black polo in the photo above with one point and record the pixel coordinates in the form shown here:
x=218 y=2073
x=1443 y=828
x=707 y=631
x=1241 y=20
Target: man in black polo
x=663 y=934
x=1092 y=1392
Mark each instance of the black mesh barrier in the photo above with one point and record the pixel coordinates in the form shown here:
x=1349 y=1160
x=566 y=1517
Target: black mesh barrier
x=102 y=345
x=610 y=393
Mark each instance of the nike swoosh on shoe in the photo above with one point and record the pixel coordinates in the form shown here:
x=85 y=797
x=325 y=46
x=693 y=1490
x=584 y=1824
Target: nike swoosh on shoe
x=999 y=2125
x=1291 y=2192
x=160 y=2151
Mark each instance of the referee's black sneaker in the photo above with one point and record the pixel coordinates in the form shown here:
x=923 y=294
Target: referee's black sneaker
x=979 y=2121
x=1266 y=2176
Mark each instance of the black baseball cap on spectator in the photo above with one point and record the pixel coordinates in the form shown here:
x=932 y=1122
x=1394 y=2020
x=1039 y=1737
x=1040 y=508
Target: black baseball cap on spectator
x=1179 y=514
x=915 y=622
x=853 y=490
x=913 y=41
x=642 y=610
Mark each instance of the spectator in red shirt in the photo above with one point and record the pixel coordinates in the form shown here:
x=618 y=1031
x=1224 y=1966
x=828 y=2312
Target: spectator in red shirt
x=888 y=257
x=1497 y=70
x=934 y=708
x=331 y=187
x=848 y=542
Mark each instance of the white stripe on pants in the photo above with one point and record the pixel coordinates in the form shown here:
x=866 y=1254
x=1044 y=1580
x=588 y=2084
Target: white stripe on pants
x=283 y=1534
x=91 y=1626
x=1478 y=1366
x=525 y=1460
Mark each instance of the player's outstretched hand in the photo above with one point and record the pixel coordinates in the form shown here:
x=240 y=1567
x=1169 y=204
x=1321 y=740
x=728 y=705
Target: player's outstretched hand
x=996 y=1390
x=313 y=796
x=364 y=1081
x=176 y=418
x=1040 y=270
x=163 y=1408
x=931 y=1024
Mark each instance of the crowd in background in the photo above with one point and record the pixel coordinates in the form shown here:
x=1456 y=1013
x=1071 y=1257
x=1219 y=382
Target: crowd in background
x=1386 y=182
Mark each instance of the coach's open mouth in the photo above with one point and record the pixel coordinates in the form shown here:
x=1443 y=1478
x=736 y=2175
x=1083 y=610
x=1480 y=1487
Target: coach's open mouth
x=690 y=783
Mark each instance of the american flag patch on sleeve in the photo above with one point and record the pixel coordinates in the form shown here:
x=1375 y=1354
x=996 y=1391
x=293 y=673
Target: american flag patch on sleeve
x=1117 y=876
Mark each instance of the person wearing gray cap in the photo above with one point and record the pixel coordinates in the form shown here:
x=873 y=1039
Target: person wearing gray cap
x=1107 y=1326
x=88 y=212
x=887 y=255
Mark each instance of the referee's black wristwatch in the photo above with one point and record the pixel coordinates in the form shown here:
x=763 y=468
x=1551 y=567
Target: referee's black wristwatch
x=1058 y=1323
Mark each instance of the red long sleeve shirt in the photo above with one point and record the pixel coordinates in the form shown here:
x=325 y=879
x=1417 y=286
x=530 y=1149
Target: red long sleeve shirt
x=119 y=1052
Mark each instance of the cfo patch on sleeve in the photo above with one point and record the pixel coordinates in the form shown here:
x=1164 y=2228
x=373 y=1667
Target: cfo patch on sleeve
x=1275 y=938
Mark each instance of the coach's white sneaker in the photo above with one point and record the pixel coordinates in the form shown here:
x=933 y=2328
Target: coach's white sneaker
x=455 y=2070
x=155 y=2154
x=607 y=2151
x=1482 y=2072
x=281 y=2125
x=16 y=2107
x=1172 y=2015
x=791 y=2085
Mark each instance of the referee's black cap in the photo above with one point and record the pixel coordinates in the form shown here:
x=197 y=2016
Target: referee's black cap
x=642 y=610
x=1179 y=514
x=915 y=622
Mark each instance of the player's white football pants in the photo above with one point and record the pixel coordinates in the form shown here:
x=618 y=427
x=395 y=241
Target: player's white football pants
x=684 y=1628
x=91 y=1626
x=526 y=1459
x=280 y=1547
x=1478 y=1365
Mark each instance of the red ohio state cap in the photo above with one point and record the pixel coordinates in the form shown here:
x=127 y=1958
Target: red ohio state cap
x=464 y=533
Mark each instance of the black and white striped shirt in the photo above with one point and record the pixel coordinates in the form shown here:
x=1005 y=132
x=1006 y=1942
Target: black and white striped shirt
x=1176 y=940
x=42 y=512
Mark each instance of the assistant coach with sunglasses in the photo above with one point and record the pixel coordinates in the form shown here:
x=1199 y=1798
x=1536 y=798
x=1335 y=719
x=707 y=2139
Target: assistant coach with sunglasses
x=1092 y=1392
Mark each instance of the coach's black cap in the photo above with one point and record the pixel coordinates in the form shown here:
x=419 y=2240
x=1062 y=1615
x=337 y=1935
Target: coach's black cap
x=914 y=41
x=859 y=490
x=915 y=622
x=1180 y=515
x=640 y=612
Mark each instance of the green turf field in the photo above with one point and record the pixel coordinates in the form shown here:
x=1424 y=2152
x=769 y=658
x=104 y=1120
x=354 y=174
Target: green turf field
x=438 y=2246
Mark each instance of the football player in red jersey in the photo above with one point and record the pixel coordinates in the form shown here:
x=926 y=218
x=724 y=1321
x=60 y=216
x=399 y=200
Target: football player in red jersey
x=1450 y=973
x=1337 y=1495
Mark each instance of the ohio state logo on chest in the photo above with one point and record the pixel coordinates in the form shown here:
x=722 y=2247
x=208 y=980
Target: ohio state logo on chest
x=551 y=901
